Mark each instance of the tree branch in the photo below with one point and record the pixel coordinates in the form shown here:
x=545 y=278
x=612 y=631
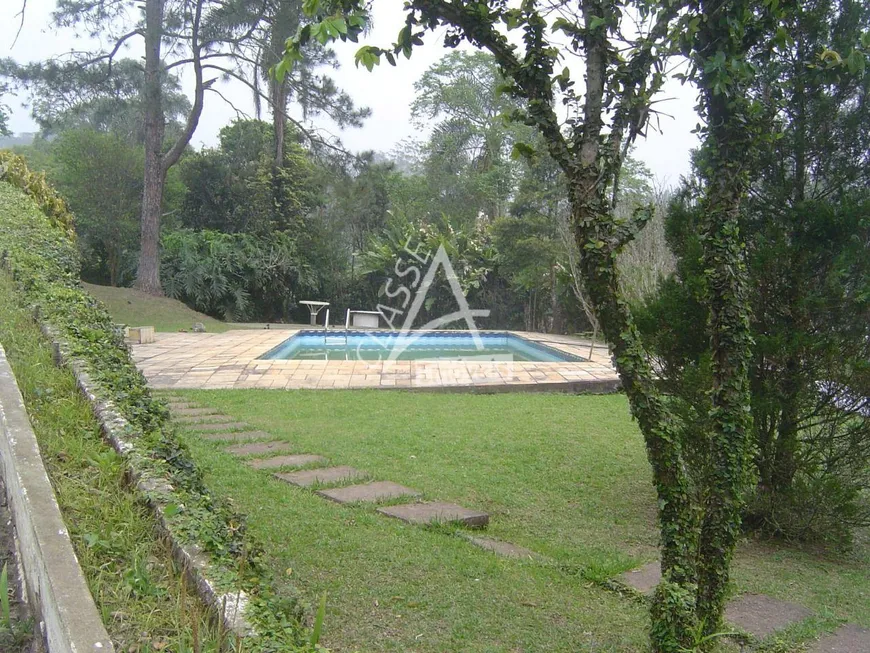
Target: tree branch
x=171 y=157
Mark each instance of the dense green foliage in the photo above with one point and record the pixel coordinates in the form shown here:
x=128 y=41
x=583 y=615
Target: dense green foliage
x=235 y=188
x=44 y=262
x=234 y=276
x=100 y=175
x=806 y=229
x=809 y=373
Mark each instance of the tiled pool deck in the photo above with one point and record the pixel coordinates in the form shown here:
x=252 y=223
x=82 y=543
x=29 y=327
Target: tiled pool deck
x=230 y=360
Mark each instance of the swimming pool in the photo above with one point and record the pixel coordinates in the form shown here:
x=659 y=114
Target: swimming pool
x=416 y=345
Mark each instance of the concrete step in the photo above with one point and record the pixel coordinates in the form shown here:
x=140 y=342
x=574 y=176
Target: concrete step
x=321 y=476
x=435 y=512
x=368 y=492
x=296 y=460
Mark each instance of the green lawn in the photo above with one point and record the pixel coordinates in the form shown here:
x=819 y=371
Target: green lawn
x=136 y=308
x=564 y=476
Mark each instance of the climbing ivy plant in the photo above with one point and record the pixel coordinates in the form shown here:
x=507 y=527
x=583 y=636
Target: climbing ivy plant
x=588 y=116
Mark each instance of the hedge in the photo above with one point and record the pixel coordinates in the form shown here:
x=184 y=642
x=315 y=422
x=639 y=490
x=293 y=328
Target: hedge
x=37 y=247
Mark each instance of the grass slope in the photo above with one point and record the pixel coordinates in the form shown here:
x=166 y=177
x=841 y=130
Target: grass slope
x=144 y=603
x=135 y=308
x=565 y=476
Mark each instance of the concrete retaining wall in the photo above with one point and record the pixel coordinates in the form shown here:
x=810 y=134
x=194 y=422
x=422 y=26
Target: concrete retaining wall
x=56 y=586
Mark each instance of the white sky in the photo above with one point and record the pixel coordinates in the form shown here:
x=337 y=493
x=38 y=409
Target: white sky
x=387 y=91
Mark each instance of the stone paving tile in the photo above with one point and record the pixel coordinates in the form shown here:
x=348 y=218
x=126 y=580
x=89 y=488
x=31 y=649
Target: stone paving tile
x=295 y=460
x=188 y=412
x=204 y=419
x=644 y=579
x=210 y=428
x=368 y=492
x=229 y=360
x=321 y=476
x=500 y=547
x=436 y=511
x=178 y=405
x=761 y=615
x=848 y=638
x=259 y=448
x=237 y=436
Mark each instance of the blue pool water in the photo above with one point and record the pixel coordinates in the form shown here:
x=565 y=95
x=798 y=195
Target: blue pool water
x=436 y=345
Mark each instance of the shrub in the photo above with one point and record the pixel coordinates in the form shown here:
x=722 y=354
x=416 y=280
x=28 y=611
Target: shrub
x=14 y=170
x=810 y=372
x=233 y=276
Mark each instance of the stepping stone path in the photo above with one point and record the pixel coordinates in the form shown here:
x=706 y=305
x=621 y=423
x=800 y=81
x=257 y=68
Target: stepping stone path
x=644 y=579
x=214 y=426
x=237 y=436
x=259 y=448
x=194 y=412
x=207 y=428
x=505 y=549
x=368 y=492
x=846 y=639
x=761 y=615
x=298 y=460
x=322 y=476
x=204 y=419
x=431 y=512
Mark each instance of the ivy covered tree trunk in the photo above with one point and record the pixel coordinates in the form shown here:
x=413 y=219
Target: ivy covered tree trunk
x=673 y=606
x=733 y=131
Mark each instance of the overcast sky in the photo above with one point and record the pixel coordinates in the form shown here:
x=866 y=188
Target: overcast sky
x=387 y=91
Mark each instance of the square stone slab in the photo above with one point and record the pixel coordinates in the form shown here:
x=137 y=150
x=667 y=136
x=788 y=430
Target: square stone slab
x=848 y=638
x=259 y=448
x=187 y=412
x=376 y=491
x=211 y=428
x=498 y=547
x=760 y=615
x=436 y=511
x=179 y=405
x=204 y=419
x=237 y=436
x=322 y=476
x=644 y=579
x=297 y=460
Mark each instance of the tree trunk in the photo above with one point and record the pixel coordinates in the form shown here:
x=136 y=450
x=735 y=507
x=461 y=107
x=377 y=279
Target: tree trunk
x=158 y=164
x=673 y=607
x=148 y=274
x=728 y=147
x=113 y=262
x=555 y=304
x=279 y=119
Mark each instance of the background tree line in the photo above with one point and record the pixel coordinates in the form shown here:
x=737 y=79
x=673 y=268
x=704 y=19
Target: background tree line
x=243 y=238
